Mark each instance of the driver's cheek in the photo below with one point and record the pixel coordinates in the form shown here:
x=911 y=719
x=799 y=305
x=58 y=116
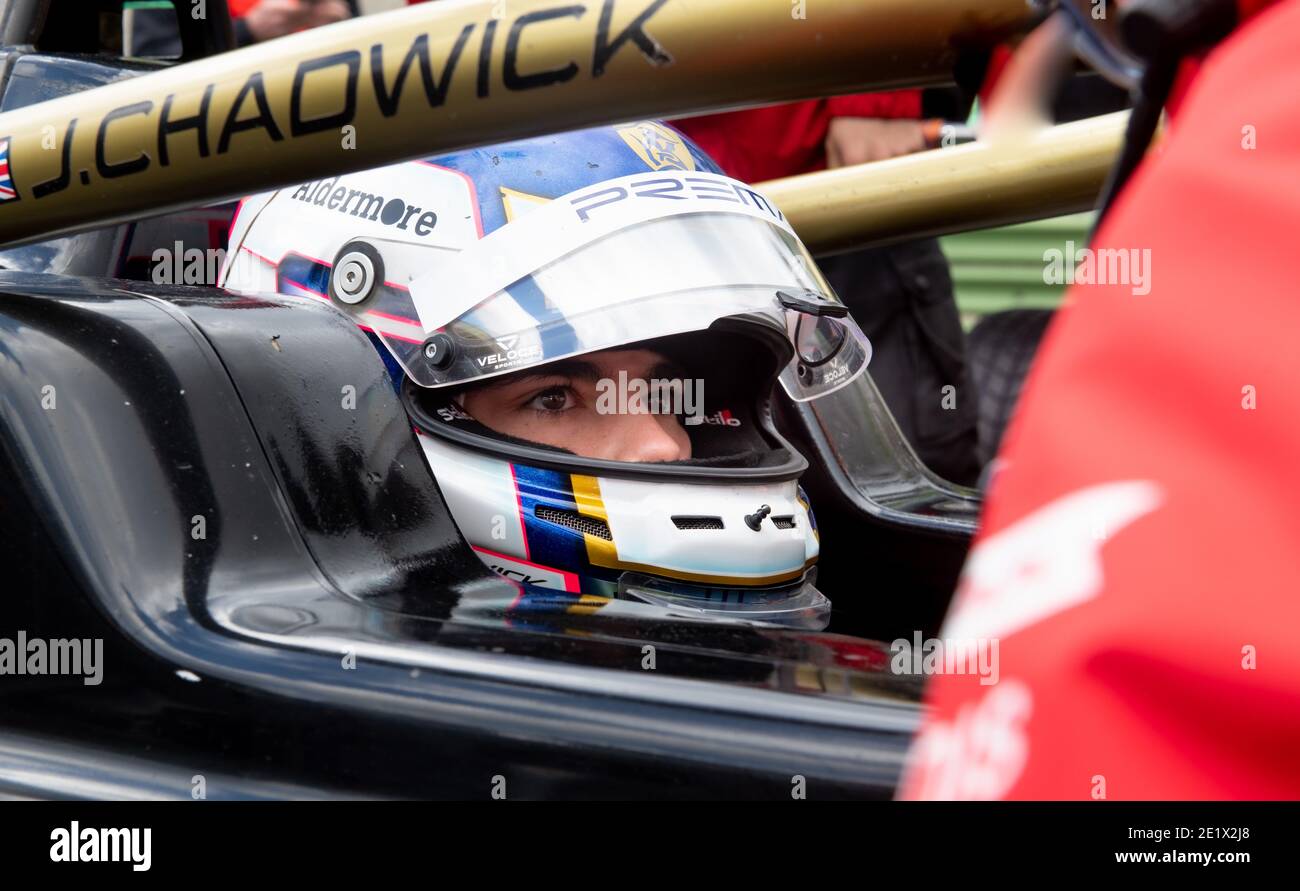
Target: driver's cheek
x=638 y=437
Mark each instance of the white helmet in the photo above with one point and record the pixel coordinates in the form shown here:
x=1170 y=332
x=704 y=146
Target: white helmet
x=486 y=265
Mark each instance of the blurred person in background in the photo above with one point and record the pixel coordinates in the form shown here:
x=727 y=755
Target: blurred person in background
x=258 y=20
x=154 y=33
x=1137 y=561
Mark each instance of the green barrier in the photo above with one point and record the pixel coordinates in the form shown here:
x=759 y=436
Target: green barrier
x=994 y=270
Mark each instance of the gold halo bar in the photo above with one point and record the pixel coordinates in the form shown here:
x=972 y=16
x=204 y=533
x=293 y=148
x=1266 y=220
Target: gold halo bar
x=447 y=75
x=1056 y=170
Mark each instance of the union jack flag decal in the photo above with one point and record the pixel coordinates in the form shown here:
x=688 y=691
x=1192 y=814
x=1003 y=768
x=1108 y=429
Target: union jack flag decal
x=7 y=190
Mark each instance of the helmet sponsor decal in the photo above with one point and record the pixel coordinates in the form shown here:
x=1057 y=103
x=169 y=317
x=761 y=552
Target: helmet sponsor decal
x=334 y=195
x=659 y=147
x=453 y=412
x=700 y=188
x=510 y=354
x=554 y=230
x=722 y=418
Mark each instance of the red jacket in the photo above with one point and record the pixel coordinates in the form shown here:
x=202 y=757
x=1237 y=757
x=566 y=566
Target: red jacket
x=1139 y=563
x=782 y=140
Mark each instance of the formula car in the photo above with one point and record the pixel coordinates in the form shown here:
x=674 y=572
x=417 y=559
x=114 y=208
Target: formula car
x=285 y=606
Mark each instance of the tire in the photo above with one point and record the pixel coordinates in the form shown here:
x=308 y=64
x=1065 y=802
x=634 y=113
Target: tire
x=1000 y=350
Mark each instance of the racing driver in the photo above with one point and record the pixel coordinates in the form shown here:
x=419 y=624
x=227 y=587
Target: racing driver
x=586 y=330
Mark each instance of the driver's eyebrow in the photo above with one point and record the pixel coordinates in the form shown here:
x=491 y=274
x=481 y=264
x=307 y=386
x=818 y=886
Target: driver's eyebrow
x=578 y=369
x=669 y=369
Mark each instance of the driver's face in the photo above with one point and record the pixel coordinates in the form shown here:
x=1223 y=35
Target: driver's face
x=556 y=405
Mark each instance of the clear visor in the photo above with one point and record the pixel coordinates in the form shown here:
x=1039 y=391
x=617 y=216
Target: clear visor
x=651 y=278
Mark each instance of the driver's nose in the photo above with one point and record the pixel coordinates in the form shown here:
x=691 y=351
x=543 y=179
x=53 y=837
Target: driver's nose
x=649 y=437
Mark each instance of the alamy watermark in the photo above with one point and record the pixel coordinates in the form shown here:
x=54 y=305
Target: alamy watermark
x=36 y=656
x=1103 y=266
x=179 y=266
x=653 y=396
x=78 y=844
x=976 y=656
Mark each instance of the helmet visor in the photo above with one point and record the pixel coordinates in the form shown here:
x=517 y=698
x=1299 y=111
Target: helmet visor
x=572 y=277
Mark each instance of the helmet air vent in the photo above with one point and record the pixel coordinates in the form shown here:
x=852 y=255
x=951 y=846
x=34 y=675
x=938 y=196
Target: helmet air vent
x=571 y=519
x=697 y=522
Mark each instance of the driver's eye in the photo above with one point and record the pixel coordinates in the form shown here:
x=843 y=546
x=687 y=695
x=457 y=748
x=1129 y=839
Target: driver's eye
x=552 y=399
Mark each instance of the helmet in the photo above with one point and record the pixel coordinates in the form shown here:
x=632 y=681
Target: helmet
x=511 y=263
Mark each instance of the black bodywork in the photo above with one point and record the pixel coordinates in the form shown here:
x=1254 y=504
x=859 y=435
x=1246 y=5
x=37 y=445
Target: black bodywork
x=330 y=634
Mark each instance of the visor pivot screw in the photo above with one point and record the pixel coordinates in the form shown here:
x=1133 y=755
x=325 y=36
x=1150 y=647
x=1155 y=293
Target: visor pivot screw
x=439 y=351
x=357 y=271
x=755 y=520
